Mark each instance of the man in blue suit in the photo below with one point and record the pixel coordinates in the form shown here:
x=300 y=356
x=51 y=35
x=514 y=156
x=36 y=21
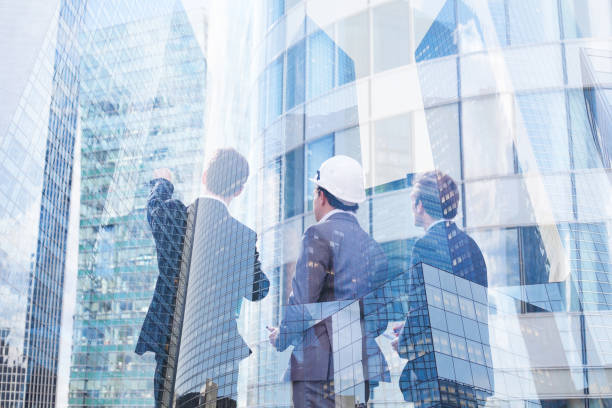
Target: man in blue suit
x=167 y=218
x=223 y=269
x=435 y=199
x=339 y=264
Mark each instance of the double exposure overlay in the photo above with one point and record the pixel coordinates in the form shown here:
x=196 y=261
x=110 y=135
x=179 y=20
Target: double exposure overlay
x=306 y=203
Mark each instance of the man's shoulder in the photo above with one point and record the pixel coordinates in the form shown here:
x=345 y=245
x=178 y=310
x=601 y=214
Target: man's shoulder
x=434 y=236
x=344 y=224
x=318 y=232
x=242 y=228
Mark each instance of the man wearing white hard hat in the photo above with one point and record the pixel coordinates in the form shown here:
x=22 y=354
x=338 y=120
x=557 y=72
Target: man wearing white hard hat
x=335 y=355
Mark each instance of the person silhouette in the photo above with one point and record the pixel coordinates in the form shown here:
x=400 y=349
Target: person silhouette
x=339 y=264
x=435 y=199
x=167 y=218
x=224 y=269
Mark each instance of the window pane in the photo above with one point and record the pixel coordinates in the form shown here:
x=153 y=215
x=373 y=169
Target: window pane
x=533 y=21
x=276 y=8
x=321 y=51
x=534 y=67
x=296 y=75
x=586 y=153
x=536 y=265
x=393 y=149
x=443 y=127
x=487 y=137
x=391 y=35
x=440 y=39
x=587 y=18
x=500 y=250
x=542 y=129
x=317 y=152
x=275 y=90
x=353 y=40
x=294 y=182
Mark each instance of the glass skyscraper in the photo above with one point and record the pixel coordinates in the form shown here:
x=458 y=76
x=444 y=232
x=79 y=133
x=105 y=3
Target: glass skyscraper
x=142 y=107
x=37 y=158
x=502 y=298
x=490 y=93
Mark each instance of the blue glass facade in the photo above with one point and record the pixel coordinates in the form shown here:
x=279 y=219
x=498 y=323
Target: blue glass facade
x=142 y=101
x=491 y=94
x=38 y=153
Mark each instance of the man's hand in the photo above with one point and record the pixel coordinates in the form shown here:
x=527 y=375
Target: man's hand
x=163 y=173
x=397 y=330
x=272 y=336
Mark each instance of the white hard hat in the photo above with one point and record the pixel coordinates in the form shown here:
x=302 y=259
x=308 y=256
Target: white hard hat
x=342 y=176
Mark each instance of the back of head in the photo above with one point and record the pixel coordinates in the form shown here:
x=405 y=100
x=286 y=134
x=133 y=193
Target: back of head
x=337 y=203
x=438 y=193
x=340 y=178
x=227 y=173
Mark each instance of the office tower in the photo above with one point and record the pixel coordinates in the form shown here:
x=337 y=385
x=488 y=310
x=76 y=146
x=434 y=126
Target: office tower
x=142 y=108
x=37 y=160
x=490 y=93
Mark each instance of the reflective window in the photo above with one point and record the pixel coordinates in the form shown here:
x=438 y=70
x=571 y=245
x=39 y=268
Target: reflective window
x=316 y=153
x=296 y=75
x=535 y=21
x=321 y=57
x=586 y=19
x=488 y=145
x=353 y=39
x=294 y=183
x=390 y=31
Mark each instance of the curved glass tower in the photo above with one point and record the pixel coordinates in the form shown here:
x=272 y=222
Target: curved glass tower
x=511 y=99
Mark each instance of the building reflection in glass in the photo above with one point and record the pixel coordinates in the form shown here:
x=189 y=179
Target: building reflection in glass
x=510 y=99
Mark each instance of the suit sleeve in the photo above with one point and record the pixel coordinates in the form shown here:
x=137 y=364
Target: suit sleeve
x=311 y=271
x=166 y=217
x=259 y=285
x=404 y=300
x=377 y=301
x=162 y=210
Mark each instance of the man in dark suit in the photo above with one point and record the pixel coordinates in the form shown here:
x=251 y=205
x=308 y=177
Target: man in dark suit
x=167 y=219
x=435 y=199
x=224 y=269
x=339 y=261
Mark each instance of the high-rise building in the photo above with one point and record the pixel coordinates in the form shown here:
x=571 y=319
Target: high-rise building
x=490 y=93
x=37 y=159
x=142 y=107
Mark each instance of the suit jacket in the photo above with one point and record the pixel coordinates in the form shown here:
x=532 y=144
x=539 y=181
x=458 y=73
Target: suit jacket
x=224 y=269
x=167 y=219
x=338 y=261
x=445 y=247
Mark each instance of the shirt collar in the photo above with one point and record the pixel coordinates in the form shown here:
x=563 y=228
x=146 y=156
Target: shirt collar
x=332 y=212
x=434 y=223
x=212 y=197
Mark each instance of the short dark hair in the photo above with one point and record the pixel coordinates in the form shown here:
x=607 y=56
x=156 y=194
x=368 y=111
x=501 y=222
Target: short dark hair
x=227 y=172
x=336 y=203
x=438 y=193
